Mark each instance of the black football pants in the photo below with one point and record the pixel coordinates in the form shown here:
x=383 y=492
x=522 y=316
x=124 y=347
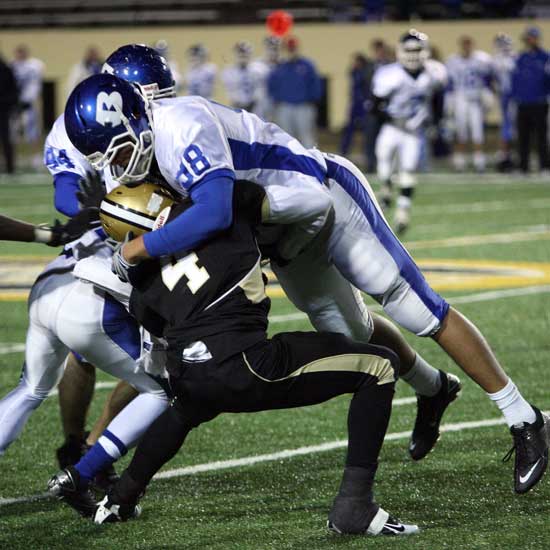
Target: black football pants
x=290 y=370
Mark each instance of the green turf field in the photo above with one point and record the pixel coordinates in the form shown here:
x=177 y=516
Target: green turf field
x=497 y=233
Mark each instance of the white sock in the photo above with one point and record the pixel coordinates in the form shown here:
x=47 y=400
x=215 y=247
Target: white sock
x=423 y=378
x=512 y=405
x=479 y=160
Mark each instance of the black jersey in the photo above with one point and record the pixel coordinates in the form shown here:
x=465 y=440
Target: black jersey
x=215 y=294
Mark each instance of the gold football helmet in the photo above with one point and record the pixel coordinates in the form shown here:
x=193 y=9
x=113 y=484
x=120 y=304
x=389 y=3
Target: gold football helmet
x=133 y=207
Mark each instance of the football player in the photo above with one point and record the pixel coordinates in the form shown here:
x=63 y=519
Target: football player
x=66 y=314
x=210 y=305
x=264 y=106
x=504 y=60
x=144 y=66
x=470 y=76
x=402 y=95
x=243 y=79
x=200 y=77
x=331 y=231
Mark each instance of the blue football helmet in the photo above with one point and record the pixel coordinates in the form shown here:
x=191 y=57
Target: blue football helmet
x=104 y=115
x=144 y=66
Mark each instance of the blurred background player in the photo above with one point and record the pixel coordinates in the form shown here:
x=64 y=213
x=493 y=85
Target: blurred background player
x=402 y=94
x=8 y=102
x=295 y=88
x=504 y=61
x=28 y=73
x=469 y=80
x=90 y=64
x=360 y=80
x=243 y=79
x=161 y=46
x=530 y=90
x=272 y=55
x=200 y=76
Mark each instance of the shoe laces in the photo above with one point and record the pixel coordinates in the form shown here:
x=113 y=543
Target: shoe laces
x=522 y=446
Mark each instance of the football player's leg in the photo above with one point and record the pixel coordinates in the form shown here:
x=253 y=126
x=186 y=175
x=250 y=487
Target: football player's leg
x=298 y=369
x=478 y=135
x=386 y=144
x=305 y=124
x=409 y=154
x=319 y=290
x=44 y=357
x=461 y=132
x=75 y=394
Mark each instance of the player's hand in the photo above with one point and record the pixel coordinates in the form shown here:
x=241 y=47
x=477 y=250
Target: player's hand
x=120 y=265
x=63 y=233
x=92 y=190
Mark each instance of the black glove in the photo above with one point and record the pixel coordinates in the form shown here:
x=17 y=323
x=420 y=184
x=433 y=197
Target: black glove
x=92 y=191
x=63 y=233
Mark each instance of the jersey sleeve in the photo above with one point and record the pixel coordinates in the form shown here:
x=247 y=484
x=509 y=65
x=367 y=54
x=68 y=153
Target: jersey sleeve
x=193 y=147
x=60 y=155
x=382 y=82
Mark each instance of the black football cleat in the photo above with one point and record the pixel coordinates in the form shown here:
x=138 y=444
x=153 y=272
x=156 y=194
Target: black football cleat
x=429 y=413
x=65 y=485
x=108 y=511
x=381 y=524
x=531 y=442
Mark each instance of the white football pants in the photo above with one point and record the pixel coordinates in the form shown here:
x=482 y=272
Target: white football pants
x=66 y=314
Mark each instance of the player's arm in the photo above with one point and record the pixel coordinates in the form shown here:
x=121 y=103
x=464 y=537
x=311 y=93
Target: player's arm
x=211 y=213
x=52 y=235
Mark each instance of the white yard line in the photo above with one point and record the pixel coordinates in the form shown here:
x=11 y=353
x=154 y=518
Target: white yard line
x=480 y=206
x=280 y=455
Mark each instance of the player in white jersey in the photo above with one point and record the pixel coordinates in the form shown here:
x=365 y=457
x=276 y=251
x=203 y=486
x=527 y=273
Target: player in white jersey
x=200 y=149
x=68 y=168
x=161 y=46
x=263 y=106
x=402 y=94
x=244 y=79
x=503 y=63
x=470 y=75
x=28 y=72
x=200 y=77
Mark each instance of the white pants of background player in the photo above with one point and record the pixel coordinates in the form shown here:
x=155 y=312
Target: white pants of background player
x=67 y=314
x=469 y=121
x=359 y=251
x=397 y=147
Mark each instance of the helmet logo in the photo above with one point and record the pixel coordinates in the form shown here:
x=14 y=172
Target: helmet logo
x=109 y=109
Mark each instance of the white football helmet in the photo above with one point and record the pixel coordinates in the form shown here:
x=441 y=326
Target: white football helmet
x=413 y=50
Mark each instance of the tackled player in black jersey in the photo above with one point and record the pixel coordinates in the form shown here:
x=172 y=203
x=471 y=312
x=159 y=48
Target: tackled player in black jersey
x=211 y=307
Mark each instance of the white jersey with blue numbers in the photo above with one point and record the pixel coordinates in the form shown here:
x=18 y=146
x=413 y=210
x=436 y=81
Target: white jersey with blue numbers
x=408 y=96
x=200 y=80
x=60 y=155
x=196 y=138
x=470 y=76
x=243 y=84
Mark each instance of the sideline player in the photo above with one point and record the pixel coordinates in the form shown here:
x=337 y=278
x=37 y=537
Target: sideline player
x=504 y=60
x=402 y=95
x=68 y=167
x=201 y=147
x=211 y=307
x=200 y=77
x=470 y=76
x=244 y=79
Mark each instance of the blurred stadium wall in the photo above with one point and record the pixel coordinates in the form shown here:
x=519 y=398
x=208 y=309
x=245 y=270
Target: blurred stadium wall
x=329 y=44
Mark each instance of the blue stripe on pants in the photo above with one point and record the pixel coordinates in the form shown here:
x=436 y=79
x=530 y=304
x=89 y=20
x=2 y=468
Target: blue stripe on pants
x=407 y=268
x=120 y=327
